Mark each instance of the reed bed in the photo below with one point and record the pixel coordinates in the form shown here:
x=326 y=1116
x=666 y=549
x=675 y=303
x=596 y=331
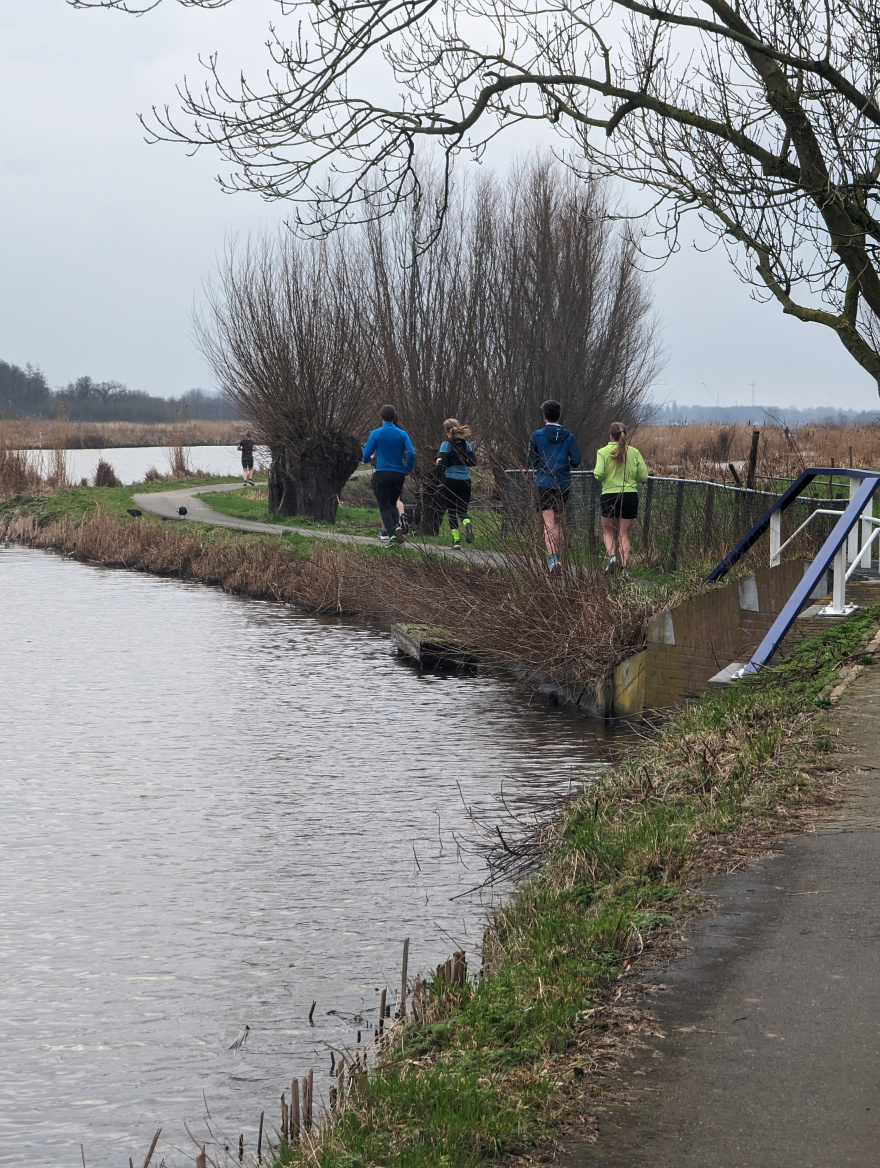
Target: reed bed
x=40 y=434
x=703 y=450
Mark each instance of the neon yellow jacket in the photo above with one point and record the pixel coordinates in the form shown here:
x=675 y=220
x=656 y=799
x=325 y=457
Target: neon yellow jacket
x=614 y=478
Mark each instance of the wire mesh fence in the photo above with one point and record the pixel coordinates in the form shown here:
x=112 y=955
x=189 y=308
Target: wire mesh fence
x=681 y=522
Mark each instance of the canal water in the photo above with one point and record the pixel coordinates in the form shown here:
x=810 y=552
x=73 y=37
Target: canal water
x=216 y=811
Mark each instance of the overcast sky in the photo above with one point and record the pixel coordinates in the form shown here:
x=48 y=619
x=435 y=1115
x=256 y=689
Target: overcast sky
x=106 y=240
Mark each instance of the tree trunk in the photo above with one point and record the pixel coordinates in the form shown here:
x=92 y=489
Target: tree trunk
x=308 y=475
x=429 y=501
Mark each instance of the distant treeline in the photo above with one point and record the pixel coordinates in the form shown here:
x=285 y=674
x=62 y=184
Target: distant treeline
x=675 y=415
x=25 y=393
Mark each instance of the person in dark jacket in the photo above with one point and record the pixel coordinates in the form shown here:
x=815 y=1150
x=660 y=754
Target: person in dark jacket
x=553 y=452
x=394 y=456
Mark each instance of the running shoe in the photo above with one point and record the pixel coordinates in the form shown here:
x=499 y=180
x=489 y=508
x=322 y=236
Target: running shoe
x=468 y=530
x=384 y=536
x=456 y=545
x=611 y=565
x=399 y=534
x=393 y=542
x=404 y=523
x=553 y=563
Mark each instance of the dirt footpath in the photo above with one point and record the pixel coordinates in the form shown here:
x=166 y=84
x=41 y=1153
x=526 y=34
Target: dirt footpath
x=770 y=1054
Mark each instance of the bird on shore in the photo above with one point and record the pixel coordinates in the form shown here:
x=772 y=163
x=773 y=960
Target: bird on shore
x=239 y=1042
x=181 y=511
x=134 y=513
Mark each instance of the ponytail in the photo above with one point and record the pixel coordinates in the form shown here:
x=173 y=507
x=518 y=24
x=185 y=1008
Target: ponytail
x=454 y=429
x=618 y=435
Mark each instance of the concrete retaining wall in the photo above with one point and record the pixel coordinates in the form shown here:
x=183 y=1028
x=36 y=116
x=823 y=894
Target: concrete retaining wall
x=690 y=643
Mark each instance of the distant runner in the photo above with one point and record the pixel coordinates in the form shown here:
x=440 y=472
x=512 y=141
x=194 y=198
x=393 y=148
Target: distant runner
x=247 y=446
x=394 y=459
x=619 y=468
x=457 y=456
x=553 y=451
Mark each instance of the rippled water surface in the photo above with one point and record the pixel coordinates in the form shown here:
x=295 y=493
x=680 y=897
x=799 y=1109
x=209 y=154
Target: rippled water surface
x=215 y=811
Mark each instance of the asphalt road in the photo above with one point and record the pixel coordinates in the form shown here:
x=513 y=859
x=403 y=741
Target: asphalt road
x=770 y=1055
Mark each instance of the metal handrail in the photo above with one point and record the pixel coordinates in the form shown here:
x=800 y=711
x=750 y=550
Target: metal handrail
x=866 y=547
x=806 y=523
x=834 y=549
x=782 y=503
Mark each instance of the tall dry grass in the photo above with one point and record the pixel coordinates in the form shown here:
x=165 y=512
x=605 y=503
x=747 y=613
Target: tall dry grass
x=38 y=434
x=18 y=473
x=572 y=628
x=702 y=450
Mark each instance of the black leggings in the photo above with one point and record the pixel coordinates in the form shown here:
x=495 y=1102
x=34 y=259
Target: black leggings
x=456 y=498
x=387 y=485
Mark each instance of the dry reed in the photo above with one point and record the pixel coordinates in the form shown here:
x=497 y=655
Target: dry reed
x=702 y=450
x=39 y=434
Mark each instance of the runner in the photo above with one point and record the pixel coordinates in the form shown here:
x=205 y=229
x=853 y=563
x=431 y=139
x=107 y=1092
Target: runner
x=619 y=468
x=394 y=458
x=457 y=456
x=247 y=446
x=553 y=451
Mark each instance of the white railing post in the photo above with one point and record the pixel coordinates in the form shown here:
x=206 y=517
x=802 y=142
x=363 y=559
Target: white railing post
x=775 y=538
x=852 y=540
x=865 y=528
x=838 y=605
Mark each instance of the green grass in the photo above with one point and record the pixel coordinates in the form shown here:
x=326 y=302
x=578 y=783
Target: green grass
x=349 y=520
x=479 y=1077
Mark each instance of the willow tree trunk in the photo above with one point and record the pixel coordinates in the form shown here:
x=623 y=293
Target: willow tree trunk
x=429 y=500
x=308 y=475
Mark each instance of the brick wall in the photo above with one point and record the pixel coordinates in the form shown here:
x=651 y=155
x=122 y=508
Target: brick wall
x=692 y=642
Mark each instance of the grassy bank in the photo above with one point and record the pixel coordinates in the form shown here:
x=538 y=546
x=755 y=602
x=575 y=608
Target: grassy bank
x=571 y=627
x=493 y=1068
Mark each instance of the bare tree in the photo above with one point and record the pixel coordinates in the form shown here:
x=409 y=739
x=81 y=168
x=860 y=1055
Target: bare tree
x=430 y=311
x=574 y=320
x=284 y=338
x=761 y=116
x=527 y=292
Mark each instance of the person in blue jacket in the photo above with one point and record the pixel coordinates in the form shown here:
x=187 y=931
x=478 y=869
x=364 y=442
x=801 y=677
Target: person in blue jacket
x=394 y=455
x=553 y=451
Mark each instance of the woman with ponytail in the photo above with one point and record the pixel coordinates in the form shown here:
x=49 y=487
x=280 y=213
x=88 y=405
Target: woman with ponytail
x=457 y=457
x=619 y=470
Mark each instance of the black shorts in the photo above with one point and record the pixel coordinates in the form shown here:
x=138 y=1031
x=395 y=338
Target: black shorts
x=552 y=499
x=621 y=506
x=247 y=464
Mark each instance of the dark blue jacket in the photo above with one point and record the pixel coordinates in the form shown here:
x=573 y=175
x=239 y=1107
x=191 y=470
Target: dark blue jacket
x=553 y=451
x=392 y=447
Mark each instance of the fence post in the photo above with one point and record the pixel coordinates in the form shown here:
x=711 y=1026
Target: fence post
x=753 y=460
x=676 y=526
x=649 y=497
x=710 y=507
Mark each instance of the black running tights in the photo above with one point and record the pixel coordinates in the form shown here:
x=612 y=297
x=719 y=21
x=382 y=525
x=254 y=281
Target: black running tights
x=387 y=485
x=456 y=499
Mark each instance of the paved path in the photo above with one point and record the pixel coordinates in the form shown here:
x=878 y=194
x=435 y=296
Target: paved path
x=771 y=1049
x=166 y=503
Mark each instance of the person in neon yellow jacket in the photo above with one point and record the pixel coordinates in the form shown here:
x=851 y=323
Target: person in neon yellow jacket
x=619 y=469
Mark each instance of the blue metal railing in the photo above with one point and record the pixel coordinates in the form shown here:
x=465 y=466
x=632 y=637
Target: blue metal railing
x=834 y=544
